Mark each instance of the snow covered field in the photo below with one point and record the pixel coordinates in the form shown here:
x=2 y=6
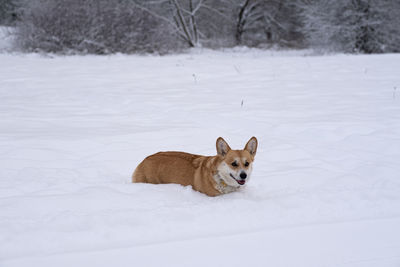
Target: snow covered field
x=325 y=189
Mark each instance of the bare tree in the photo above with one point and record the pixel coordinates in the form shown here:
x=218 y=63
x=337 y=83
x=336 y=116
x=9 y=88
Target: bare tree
x=267 y=21
x=249 y=13
x=185 y=20
x=193 y=20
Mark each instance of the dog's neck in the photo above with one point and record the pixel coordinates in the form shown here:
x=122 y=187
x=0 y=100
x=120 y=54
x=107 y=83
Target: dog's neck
x=223 y=187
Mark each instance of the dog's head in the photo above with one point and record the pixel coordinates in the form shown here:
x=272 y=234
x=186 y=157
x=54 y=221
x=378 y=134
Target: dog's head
x=236 y=165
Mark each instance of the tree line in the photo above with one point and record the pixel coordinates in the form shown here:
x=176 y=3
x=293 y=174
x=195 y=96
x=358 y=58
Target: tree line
x=162 y=26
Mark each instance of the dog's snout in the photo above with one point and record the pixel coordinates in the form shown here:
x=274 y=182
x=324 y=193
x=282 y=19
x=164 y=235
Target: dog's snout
x=243 y=175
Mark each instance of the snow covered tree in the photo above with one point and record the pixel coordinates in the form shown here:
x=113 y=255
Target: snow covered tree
x=185 y=18
x=268 y=22
x=8 y=11
x=196 y=22
x=94 y=26
x=109 y=26
x=353 y=25
x=388 y=30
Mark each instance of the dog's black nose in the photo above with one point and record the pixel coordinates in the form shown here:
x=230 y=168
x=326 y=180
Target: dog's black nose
x=243 y=175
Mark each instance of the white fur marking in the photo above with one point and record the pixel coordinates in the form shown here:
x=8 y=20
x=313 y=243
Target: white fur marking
x=224 y=183
x=224 y=172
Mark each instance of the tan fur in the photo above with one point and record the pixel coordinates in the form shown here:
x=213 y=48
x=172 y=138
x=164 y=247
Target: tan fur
x=201 y=172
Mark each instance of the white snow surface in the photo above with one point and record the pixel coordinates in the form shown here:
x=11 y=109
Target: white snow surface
x=325 y=188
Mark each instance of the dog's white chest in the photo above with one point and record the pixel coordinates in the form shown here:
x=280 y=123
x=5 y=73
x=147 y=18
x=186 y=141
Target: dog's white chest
x=223 y=187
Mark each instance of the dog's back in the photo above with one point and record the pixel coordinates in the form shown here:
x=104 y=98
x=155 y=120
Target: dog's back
x=166 y=167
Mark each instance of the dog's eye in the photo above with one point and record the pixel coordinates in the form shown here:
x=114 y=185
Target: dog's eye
x=246 y=164
x=234 y=164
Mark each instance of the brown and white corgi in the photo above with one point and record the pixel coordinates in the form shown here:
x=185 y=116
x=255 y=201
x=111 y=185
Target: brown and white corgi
x=212 y=175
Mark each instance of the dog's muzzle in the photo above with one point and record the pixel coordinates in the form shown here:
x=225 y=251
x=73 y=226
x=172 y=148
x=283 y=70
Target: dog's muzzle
x=242 y=181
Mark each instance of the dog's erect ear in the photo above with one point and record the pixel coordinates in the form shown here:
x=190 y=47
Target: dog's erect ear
x=222 y=147
x=251 y=146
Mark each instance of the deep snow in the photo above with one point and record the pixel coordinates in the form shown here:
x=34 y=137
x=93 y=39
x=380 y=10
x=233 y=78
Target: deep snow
x=325 y=189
